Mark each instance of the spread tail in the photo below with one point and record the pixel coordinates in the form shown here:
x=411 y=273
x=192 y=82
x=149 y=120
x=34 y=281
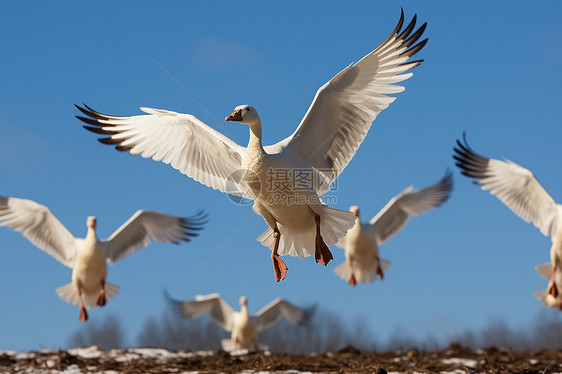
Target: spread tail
x=334 y=225
x=68 y=293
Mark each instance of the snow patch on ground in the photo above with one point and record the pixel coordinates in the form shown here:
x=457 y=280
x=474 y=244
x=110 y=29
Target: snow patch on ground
x=461 y=361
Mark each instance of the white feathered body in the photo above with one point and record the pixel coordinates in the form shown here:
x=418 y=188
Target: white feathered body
x=244 y=333
x=362 y=251
x=88 y=273
x=90 y=269
x=285 y=200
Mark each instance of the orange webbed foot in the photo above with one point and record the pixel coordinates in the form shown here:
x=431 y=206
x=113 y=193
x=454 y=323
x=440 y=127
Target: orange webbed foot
x=322 y=253
x=101 y=298
x=380 y=273
x=553 y=290
x=83 y=314
x=352 y=280
x=279 y=267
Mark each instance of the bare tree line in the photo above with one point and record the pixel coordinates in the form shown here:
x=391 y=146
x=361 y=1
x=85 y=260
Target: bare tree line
x=106 y=334
x=325 y=332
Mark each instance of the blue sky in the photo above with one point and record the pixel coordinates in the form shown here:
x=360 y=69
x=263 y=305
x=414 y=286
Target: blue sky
x=489 y=69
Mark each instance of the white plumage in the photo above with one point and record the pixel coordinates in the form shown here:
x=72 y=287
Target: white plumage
x=323 y=144
x=362 y=262
x=545 y=296
x=521 y=192
x=244 y=327
x=87 y=257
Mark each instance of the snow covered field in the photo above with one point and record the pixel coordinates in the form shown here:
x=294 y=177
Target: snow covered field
x=454 y=359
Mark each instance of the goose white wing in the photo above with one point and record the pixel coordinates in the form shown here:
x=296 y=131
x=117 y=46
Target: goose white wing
x=514 y=185
x=219 y=311
x=344 y=108
x=278 y=308
x=40 y=227
x=545 y=271
x=409 y=202
x=146 y=226
x=181 y=140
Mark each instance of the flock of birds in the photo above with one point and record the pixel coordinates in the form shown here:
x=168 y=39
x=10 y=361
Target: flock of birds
x=325 y=141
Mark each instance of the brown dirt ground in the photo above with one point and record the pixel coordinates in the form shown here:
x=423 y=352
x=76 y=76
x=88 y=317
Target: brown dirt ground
x=347 y=360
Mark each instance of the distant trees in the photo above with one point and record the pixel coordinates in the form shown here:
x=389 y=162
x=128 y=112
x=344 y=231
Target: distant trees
x=325 y=332
x=106 y=334
x=171 y=332
x=544 y=333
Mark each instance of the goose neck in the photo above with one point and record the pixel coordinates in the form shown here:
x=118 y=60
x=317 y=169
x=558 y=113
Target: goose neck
x=255 y=136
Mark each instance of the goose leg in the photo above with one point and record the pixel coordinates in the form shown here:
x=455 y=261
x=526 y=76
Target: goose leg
x=352 y=280
x=279 y=266
x=380 y=273
x=553 y=290
x=83 y=313
x=101 y=297
x=322 y=253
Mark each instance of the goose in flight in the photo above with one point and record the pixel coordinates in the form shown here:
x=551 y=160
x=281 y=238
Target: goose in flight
x=362 y=262
x=521 y=192
x=285 y=179
x=244 y=327
x=87 y=257
x=546 y=296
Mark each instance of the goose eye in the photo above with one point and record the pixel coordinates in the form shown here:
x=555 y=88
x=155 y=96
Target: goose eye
x=247 y=109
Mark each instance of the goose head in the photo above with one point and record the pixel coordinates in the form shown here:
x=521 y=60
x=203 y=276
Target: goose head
x=245 y=114
x=355 y=210
x=243 y=301
x=91 y=222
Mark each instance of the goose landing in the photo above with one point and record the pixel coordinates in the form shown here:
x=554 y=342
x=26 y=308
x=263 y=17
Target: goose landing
x=88 y=257
x=324 y=142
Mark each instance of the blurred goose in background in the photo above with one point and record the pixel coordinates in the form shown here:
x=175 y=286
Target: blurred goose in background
x=330 y=133
x=362 y=262
x=244 y=327
x=521 y=192
x=545 y=271
x=87 y=257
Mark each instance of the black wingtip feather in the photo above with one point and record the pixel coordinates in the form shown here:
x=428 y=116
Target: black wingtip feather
x=123 y=148
x=408 y=28
x=89 y=121
x=412 y=39
x=415 y=49
x=99 y=130
x=95 y=113
x=108 y=141
x=308 y=314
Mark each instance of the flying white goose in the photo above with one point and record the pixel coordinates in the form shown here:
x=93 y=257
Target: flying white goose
x=362 y=262
x=545 y=271
x=521 y=192
x=244 y=327
x=87 y=257
x=311 y=158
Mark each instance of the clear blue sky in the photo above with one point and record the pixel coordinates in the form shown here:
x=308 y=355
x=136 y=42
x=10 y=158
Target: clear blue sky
x=490 y=69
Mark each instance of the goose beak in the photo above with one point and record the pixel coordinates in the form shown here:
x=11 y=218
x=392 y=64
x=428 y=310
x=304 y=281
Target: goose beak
x=236 y=116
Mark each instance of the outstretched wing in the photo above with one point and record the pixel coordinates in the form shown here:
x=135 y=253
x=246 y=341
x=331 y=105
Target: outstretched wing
x=146 y=226
x=514 y=185
x=219 y=311
x=181 y=140
x=278 y=308
x=40 y=227
x=344 y=108
x=408 y=203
